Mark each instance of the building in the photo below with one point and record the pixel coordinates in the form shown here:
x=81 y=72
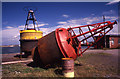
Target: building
x=112 y=41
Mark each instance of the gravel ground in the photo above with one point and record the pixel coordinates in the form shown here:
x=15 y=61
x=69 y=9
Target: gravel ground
x=93 y=63
x=14 y=56
x=110 y=51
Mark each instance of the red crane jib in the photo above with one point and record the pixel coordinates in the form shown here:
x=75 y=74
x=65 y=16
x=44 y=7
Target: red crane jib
x=69 y=40
x=66 y=43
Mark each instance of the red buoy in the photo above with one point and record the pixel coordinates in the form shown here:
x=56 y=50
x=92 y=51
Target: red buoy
x=65 y=43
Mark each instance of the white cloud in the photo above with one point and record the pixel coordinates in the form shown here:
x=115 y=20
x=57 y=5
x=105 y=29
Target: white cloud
x=112 y=2
x=9 y=36
x=92 y=14
x=10 y=32
x=66 y=16
x=21 y=27
x=9 y=27
x=81 y=21
x=62 y=22
x=48 y=30
x=39 y=25
x=16 y=36
x=114 y=30
x=85 y=21
x=110 y=12
x=89 y=20
x=12 y=35
x=110 y=18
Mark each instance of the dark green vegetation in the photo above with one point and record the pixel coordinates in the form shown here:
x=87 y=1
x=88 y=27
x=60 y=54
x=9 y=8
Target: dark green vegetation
x=88 y=65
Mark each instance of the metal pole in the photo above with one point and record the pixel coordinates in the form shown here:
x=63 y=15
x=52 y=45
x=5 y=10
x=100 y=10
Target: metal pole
x=104 y=31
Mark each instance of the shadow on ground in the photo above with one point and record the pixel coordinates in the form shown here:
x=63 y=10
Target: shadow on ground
x=57 y=67
x=58 y=72
x=76 y=64
x=26 y=55
x=33 y=64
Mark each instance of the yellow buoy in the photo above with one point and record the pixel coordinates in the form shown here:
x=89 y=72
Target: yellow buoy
x=30 y=34
x=29 y=39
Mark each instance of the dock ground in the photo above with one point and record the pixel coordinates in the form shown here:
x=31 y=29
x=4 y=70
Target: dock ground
x=93 y=63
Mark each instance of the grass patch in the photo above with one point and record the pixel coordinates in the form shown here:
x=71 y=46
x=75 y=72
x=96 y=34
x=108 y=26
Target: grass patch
x=37 y=69
x=20 y=70
x=105 y=54
x=86 y=66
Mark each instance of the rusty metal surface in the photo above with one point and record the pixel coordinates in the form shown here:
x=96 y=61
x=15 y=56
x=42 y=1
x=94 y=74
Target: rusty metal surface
x=27 y=45
x=67 y=65
x=48 y=49
x=67 y=43
x=36 y=57
x=65 y=47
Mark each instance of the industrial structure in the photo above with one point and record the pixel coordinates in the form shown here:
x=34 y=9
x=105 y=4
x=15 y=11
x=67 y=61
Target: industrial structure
x=61 y=43
x=29 y=36
x=66 y=43
x=112 y=41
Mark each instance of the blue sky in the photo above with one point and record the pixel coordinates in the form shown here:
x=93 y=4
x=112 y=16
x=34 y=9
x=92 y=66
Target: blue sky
x=52 y=15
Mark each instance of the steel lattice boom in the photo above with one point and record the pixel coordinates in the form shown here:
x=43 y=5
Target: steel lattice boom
x=97 y=29
x=66 y=43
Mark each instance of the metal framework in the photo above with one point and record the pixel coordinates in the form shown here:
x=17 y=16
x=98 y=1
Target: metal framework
x=31 y=17
x=75 y=34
